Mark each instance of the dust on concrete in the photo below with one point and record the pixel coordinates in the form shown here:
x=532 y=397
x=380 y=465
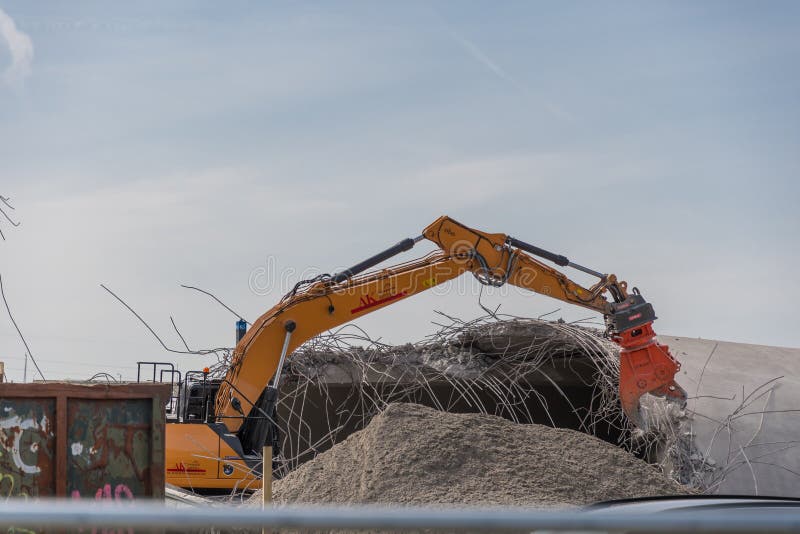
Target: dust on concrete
x=413 y=455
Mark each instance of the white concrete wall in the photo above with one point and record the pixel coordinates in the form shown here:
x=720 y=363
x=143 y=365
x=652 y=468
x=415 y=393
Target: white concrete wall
x=734 y=435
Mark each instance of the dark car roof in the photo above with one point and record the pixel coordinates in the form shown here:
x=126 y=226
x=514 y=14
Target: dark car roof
x=697 y=503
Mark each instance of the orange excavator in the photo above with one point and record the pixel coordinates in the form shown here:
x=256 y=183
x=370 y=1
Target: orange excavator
x=219 y=427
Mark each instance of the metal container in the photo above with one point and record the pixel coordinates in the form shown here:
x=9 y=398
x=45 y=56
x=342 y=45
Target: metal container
x=99 y=441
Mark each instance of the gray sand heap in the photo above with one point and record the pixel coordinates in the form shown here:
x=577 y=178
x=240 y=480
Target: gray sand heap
x=413 y=455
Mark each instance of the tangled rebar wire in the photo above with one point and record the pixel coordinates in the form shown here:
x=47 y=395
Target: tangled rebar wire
x=495 y=364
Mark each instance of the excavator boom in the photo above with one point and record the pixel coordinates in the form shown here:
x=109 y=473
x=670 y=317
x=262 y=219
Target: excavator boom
x=495 y=259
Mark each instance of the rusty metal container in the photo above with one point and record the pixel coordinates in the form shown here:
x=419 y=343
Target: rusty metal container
x=98 y=441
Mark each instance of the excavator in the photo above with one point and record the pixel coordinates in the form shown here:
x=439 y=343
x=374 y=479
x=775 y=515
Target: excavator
x=219 y=426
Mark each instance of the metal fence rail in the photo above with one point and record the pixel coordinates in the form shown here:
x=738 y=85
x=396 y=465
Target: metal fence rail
x=67 y=514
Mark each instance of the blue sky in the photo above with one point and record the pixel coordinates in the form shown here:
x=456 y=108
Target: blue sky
x=150 y=145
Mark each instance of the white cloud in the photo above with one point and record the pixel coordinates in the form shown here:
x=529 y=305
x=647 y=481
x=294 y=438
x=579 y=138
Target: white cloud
x=21 y=48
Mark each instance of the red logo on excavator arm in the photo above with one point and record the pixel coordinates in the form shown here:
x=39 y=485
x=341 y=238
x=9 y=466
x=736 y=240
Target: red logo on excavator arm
x=371 y=302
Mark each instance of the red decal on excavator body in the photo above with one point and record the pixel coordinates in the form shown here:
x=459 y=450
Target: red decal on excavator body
x=369 y=302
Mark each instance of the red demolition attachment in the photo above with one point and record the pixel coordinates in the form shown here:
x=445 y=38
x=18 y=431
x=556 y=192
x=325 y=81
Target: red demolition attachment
x=645 y=366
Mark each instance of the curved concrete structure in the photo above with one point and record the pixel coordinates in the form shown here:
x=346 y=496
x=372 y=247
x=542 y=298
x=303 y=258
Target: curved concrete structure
x=744 y=403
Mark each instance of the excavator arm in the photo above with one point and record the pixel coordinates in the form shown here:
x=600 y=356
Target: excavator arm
x=327 y=301
x=646 y=366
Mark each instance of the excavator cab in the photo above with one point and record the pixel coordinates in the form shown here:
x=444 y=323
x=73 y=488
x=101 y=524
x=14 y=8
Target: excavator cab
x=193 y=393
x=201 y=453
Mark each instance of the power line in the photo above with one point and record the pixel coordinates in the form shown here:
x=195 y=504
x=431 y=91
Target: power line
x=66 y=363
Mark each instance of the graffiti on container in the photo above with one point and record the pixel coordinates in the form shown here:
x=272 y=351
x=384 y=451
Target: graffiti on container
x=26 y=448
x=16 y=427
x=109 y=449
x=6 y=485
x=121 y=493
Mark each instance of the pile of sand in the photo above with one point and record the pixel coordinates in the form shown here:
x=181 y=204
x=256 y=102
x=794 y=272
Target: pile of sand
x=410 y=454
